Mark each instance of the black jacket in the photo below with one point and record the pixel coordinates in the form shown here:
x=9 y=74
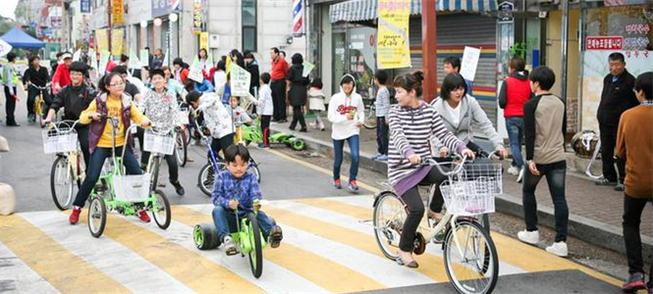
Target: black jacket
x=252 y=68
x=74 y=100
x=298 y=85
x=38 y=77
x=616 y=98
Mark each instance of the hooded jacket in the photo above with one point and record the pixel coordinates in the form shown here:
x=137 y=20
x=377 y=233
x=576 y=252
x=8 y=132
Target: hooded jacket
x=341 y=104
x=514 y=93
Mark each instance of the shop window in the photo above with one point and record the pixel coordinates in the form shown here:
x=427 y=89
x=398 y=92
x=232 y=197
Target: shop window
x=249 y=25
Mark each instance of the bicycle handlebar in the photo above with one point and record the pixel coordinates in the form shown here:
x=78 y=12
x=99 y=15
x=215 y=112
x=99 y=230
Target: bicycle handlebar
x=456 y=170
x=47 y=85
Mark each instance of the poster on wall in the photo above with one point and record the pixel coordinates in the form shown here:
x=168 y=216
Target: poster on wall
x=393 y=48
x=204 y=40
x=240 y=79
x=117 y=38
x=102 y=40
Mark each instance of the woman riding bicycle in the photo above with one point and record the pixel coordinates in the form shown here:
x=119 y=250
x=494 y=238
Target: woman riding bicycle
x=112 y=103
x=412 y=124
x=463 y=116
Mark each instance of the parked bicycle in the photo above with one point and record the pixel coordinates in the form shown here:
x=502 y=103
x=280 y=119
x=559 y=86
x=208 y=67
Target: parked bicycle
x=470 y=255
x=67 y=172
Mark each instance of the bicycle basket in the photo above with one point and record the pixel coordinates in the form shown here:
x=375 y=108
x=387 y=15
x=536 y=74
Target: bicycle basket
x=155 y=143
x=181 y=118
x=59 y=141
x=132 y=188
x=473 y=191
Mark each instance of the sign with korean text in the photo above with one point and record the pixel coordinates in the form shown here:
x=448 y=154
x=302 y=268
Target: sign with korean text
x=393 y=48
x=102 y=40
x=117 y=12
x=240 y=79
x=469 y=63
x=204 y=40
x=604 y=43
x=117 y=38
x=163 y=7
x=198 y=17
x=85 y=6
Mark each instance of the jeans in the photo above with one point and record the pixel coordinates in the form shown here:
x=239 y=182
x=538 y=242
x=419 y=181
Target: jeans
x=265 y=129
x=515 y=128
x=382 y=135
x=298 y=116
x=555 y=177
x=82 y=137
x=608 y=140
x=10 y=105
x=633 y=208
x=171 y=160
x=225 y=221
x=95 y=168
x=416 y=207
x=279 y=99
x=338 y=146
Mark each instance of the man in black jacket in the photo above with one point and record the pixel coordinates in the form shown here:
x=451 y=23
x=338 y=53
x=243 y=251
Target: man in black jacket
x=617 y=97
x=35 y=76
x=74 y=98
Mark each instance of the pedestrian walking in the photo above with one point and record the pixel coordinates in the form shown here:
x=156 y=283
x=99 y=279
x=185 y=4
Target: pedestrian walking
x=265 y=108
x=316 y=102
x=514 y=93
x=617 y=96
x=634 y=144
x=297 y=91
x=545 y=122
x=382 y=106
x=346 y=114
x=278 y=84
x=10 y=80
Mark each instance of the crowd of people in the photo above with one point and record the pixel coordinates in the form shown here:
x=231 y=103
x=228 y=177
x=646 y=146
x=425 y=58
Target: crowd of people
x=409 y=131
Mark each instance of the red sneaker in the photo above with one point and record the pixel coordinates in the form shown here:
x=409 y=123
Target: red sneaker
x=74 y=216
x=353 y=186
x=337 y=184
x=142 y=215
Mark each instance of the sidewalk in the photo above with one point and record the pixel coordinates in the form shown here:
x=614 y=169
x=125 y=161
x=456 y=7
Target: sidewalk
x=595 y=213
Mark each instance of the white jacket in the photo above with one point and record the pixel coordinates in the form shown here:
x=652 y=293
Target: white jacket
x=264 y=104
x=341 y=104
x=216 y=115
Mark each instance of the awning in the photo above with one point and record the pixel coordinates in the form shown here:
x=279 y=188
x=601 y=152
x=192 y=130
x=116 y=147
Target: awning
x=362 y=10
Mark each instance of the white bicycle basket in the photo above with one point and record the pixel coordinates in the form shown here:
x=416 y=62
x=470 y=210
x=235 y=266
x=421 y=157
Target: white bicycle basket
x=132 y=188
x=59 y=142
x=181 y=118
x=473 y=191
x=155 y=143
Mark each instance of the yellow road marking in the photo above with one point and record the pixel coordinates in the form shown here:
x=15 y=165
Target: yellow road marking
x=321 y=271
x=323 y=170
x=188 y=267
x=432 y=266
x=58 y=266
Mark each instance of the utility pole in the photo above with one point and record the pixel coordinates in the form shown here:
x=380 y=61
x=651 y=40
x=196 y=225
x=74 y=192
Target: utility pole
x=110 y=27
x=429 y=50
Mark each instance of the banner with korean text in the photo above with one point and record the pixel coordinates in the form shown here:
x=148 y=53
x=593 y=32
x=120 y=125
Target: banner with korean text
x=393 y=48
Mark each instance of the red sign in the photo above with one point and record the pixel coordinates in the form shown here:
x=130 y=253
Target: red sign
x=604 y=43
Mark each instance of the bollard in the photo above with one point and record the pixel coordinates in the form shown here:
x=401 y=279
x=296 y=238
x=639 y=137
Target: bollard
x=7 y=195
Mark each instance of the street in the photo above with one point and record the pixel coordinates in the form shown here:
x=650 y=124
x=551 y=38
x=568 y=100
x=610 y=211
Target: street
x=328 y=240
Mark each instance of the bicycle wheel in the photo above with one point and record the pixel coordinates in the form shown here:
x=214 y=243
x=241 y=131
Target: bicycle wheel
x=470 y=258
x=187 y=135
x=388 y=221
x=61 y=183
x=370 y=118
x=205 y=237
x=298 y=144
x=205 y=179
x=484 y=221
x=161 y=210
x=256 y=254
x=97 y=216
x=181 y=151
x=253 y=167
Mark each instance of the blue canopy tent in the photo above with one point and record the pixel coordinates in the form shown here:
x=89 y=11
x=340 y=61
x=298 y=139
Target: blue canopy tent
x=19 y=39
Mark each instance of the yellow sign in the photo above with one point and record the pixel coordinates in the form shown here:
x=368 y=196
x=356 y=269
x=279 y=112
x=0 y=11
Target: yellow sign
x=117 y=38
x=393 y=48
x=117 y=12
x=101 y=40
x=204 y=40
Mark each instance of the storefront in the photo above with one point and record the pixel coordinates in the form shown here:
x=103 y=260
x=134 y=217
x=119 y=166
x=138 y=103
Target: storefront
x=607 y=29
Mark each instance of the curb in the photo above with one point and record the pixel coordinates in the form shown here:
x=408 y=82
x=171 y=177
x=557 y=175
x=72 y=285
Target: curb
x=589 y=230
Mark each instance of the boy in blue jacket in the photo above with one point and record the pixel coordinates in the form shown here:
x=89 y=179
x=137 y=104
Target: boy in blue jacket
x=234 y=189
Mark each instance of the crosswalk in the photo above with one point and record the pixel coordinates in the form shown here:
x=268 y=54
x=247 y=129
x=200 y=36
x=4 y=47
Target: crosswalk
x=328 y=247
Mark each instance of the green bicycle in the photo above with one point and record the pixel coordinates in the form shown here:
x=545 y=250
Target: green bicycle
x=124 y=194
x=205 y=237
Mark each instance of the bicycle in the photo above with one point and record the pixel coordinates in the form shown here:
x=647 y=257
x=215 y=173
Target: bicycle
x=370 y=116
x=182 y=138
x=124 y=194
x=39 y=102
x=465 y=197
x=159 y=144
x=68 y=167
x=206 y=176
x=205 y=237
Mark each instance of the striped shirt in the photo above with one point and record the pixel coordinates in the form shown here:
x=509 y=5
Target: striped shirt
x=410 y=133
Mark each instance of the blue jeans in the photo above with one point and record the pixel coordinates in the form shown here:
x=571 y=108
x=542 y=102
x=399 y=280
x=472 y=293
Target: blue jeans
x=95 y=168
x=225 y=221
x=515 y=128
x=338 y=146
x=555 y=178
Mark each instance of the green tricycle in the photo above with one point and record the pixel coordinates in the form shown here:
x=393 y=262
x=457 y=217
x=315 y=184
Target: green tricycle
x=245 y=237
x=125 y=194
x=253 y=134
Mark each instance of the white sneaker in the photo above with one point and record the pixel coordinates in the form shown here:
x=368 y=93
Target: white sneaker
x=520 y=177
x=529 y=237
x=229 y=246
x=558 y=248
x=513 y=170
